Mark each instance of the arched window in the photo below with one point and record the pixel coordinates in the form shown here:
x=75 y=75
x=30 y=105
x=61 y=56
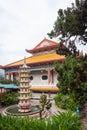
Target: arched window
x=44 y=77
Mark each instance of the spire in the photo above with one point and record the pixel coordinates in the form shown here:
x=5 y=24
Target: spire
x=24 y=65
x=24 y=60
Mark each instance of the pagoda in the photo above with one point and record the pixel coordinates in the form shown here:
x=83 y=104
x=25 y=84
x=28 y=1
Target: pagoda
x=24 y=98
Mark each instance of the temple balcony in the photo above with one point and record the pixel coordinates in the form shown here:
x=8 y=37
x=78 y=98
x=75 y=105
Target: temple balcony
x=24 y=81
x=24 y=76
x=25 y=92
x=24 y=86
x=23 y=71
x=24 y=98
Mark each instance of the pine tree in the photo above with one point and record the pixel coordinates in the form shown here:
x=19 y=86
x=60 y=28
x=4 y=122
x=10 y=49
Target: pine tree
x=72 y=78
x=71 y=22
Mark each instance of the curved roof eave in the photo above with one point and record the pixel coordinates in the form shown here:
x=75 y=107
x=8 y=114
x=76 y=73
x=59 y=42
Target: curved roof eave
x=34 y=63
x=40 y=49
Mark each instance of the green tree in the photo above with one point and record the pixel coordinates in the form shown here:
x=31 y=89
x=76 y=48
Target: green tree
x=66 y=74
x=72 y=78
x=44 y=103
x=72 y=74
x=71 y=22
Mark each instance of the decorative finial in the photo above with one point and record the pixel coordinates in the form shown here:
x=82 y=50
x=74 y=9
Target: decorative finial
x=24 y=60
x=24 y=65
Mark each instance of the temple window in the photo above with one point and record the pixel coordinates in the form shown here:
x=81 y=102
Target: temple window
x=31 y=77
x=44 y=77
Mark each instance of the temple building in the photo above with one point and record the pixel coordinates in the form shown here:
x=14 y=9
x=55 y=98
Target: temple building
x=42 y=75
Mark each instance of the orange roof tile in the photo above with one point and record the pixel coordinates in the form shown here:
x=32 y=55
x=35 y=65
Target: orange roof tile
x=44 y=89
x=38 y=59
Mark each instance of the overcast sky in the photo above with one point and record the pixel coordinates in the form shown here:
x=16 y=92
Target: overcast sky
x=24 y=23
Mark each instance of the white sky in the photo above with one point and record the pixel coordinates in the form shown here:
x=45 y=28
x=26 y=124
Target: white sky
x=24 y=23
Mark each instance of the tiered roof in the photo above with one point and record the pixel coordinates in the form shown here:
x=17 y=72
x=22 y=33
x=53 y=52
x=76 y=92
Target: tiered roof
x=45 y=44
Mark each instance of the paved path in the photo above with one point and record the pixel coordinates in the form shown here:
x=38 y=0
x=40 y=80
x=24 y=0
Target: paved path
x=2 y=109
x=55 y=109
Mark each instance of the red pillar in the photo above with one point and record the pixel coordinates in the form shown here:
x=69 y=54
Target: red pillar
x=49 y=76
x=5 y=75
x=17 y=75
x=52 y=73
x=9 y=75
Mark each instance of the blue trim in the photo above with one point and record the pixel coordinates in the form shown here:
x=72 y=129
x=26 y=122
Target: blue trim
x=9 y=86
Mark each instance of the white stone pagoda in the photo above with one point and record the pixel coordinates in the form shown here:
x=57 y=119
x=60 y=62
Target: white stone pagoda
x=24 y=98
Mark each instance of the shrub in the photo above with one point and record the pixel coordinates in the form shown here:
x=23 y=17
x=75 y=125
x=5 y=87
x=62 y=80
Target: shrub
x=66 y=121
x=65 y=101
x=9 y=99
x=6 y=81
x=44 y=103
x=62 y=121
